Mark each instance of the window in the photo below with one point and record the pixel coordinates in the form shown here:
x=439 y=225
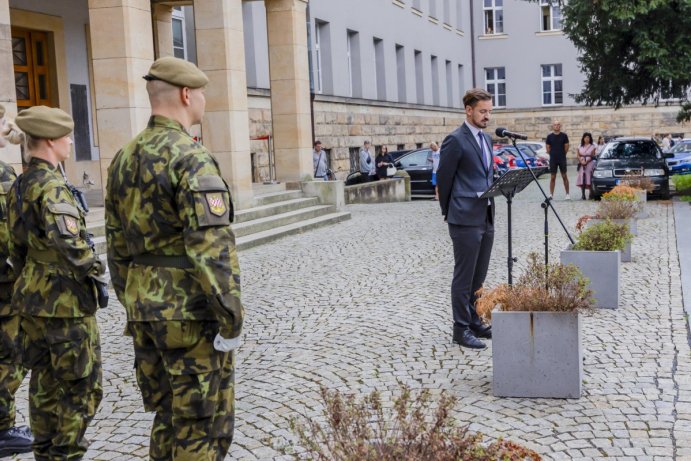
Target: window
x=459 y=15
x=494 y=16
x=672 y=91
x=449 y=84
x=400 y=146
x=354 y=154
x=416 y=5
x=400 y=71
x=552 y=88
x=419 y=82
x=447 y=12
x=353 y=59
x=435 y=80
x=433 y=8
x=415 y=159
x=379 y=68
x=461 y=85
x=318 y=31
x=32 y=77
x=418 y=145
x=495 y=84
x=551 y=15
x=179 y=48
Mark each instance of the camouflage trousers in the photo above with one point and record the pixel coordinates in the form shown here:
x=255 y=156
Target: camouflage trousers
x=189 y=385
x=64 y=355
x=11 y=371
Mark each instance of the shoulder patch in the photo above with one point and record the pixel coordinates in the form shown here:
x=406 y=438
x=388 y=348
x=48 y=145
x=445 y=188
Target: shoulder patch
x=217 y=205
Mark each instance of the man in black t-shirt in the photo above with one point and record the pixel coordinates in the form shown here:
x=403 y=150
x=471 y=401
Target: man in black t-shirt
x=557 y=145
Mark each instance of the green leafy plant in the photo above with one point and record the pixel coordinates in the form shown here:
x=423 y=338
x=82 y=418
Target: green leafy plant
x=558 y=288
x=417 y=428
x=682 y=183
x=603 y=236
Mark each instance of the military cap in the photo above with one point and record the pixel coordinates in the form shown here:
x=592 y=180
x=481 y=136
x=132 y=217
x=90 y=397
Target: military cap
x=2 y=111
x=45 y=122
x=177 y=72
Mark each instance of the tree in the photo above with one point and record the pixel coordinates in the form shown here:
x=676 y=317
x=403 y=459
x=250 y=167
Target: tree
x=632 y=51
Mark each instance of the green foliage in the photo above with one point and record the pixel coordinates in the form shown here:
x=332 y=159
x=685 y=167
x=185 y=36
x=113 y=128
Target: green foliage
x=682 y=183
x=418 y=428
x=631 y=50
x=560 y=288
x=604 y=236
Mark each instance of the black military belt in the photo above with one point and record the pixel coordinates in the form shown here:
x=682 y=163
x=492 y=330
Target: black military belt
x=42 y=256
x=148 y=259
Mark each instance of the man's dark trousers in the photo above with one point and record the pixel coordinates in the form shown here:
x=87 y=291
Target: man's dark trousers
x=472 y=248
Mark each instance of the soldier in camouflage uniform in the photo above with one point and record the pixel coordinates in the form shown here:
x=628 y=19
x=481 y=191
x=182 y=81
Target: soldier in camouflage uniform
x=54 y=292
x=174 y=267
x=12 y=439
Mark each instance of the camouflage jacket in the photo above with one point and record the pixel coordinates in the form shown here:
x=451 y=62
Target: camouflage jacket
x=7 y=177
x=48 y=248
x=166 y=197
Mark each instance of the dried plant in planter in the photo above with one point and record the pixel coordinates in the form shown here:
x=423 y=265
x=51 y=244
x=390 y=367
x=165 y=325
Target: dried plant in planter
x=560 y=288
x=418 y=428
x=604 y=236
x=639 y=182
x=617 y=209
x=621 y=193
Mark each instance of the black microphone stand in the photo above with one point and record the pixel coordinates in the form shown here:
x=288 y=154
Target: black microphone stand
x=546 y=205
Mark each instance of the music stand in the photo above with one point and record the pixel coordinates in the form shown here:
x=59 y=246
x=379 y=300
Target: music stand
x=508 y=185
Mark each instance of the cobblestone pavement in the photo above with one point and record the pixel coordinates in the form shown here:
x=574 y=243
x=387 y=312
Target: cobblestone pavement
x=365 y=304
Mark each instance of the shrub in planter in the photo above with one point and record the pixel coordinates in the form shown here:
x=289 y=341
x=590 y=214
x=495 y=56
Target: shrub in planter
x=418 y=428
x=603 y=217
x=603 y=236
x=643 y=183
x=621 y=192
x=536 y=332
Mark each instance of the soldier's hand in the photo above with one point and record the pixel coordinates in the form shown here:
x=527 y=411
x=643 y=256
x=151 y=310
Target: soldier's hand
x=226 y=345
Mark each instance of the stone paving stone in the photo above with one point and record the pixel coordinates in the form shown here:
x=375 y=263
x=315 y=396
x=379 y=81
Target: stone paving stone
x=365 y=304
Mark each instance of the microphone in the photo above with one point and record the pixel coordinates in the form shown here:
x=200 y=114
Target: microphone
x=504 y=133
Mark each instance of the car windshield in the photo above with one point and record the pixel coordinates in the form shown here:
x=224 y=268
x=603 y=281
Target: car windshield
x=630 y=149
x=682 y=147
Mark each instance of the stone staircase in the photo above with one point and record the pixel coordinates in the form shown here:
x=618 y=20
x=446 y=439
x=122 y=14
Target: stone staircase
x=277 y=212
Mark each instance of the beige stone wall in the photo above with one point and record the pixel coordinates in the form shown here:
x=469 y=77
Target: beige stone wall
x=340 y=125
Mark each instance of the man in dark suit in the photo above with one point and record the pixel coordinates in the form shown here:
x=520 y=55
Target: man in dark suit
x=465 y=171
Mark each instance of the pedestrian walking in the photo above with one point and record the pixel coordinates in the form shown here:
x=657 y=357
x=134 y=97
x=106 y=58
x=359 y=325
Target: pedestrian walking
x=586 y=155
x=557 y=144
x=12 y=439
x=174 y=267
x=55 y=292
x=465 y=169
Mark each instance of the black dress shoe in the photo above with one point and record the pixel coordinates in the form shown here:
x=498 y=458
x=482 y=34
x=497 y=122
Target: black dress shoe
x=15 y=440
x=482 y=331
x=468 y=339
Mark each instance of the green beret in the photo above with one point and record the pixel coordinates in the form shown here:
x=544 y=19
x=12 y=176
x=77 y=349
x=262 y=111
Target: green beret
x=45 y=122
x=2 y=111
x=177 y=72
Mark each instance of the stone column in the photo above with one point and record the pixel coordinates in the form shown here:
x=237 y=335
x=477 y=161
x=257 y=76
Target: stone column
x=163 y=30
x=290 y=88
x=8 y=96
x=122 y=50
x=225 y=128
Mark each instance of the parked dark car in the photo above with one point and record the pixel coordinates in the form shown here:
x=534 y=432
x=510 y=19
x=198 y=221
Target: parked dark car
x=396 y=154
x=419 y=169
x=629 y=156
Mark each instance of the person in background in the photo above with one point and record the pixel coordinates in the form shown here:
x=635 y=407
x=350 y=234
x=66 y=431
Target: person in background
x=586 y=153
x=366 y=162
x=600 y=145
x=433 y=160
x=557 y=144
x=383 y=161
x=319 y=162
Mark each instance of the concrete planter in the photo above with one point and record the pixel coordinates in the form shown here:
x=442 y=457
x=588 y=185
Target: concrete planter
x=626 y=253
x=602 y=269
x=537 y=354
x=632 y=223
x=642 y=204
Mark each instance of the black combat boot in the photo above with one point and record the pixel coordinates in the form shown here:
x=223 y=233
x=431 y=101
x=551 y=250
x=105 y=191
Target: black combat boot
x=15 y=440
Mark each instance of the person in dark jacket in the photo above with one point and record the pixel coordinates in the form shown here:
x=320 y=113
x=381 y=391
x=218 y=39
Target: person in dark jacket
x=383 y=160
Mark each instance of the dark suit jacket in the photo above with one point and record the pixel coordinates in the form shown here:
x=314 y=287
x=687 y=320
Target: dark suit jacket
x=461 y=175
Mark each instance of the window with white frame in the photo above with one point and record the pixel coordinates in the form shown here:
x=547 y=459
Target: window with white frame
x=552 y=85
x=318 y=30
x=671 y=91
x=494 y=16
x=495 y=84
x=550 y=13
x=178 y=24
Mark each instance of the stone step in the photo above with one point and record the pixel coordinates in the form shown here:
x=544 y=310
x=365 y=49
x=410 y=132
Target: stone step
x=282 y=219
x=274 y=208
x=261 y=188
x=275 y=233
x=273 y=197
